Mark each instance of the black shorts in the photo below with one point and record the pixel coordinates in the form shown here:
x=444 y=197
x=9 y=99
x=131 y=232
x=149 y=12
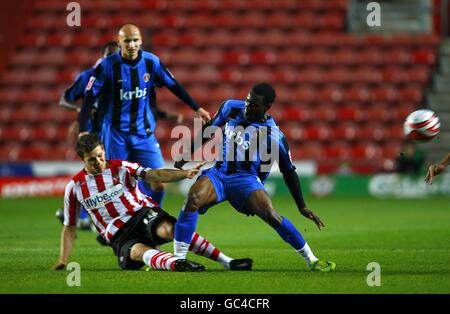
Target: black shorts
x=139 y=229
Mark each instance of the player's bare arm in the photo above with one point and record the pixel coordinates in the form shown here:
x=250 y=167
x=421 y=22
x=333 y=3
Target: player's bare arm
x=63 y=102
x=171 y=175
x=68 y=236
x=436 y=169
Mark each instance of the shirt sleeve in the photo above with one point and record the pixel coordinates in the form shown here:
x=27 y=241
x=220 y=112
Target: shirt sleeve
x=220 y=118
x=96 y=80
x=76 y=90
x=285 y=159
x=163 y=77
x=71 y=205
x=135 y=169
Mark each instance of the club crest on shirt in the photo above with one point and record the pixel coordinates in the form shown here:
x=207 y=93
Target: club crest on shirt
x=146 y=77
x=90 y=83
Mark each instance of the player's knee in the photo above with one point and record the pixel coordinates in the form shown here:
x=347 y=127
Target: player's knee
x=164 y=230
x=195 y=200
x=137 y=252
x=270 y=216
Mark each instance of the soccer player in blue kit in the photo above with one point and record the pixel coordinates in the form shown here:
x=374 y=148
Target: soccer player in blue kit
x=72 y=94
x=240 y=180
x=125 y=81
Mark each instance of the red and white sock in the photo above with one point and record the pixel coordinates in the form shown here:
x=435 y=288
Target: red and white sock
x=201 y=246
x=159 y=260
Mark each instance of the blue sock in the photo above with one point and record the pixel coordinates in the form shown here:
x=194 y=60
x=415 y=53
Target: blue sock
x=83 y=213
x=290 y=234
x=156 y=196
x=185 y=226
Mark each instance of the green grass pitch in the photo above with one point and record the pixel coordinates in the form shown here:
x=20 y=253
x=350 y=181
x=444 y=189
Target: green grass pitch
x=410 y=239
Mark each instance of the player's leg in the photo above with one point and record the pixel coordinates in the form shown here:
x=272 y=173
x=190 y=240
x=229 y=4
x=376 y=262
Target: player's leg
x=161 y=260
x=207 y=190
x=260 y=204
x=135 y=247
x=200 y=246
x=147 y=152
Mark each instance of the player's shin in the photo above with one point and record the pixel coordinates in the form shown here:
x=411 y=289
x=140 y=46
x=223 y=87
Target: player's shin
x=183 y=233
x=291 y=235
x=159 y=260
x=203 y=247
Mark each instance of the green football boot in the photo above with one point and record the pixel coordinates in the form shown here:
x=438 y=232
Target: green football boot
x=325 y=266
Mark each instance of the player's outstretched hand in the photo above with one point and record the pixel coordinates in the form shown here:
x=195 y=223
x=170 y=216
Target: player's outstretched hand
x=310 y=215
x=192 y=172
x=58 y=266
x=203 y=114
x=432 y=171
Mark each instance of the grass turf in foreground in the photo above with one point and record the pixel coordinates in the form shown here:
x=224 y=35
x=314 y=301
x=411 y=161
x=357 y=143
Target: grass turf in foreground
x=410 y=239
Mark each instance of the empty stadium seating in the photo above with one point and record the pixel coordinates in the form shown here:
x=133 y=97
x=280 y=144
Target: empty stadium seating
x=340 y=97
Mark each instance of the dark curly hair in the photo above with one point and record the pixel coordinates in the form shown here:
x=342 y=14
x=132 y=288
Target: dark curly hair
x=87 y=143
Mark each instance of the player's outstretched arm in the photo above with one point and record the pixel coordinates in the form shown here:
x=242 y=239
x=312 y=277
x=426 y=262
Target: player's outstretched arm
x=436 y=169
x=171 y=175
x=68 y=236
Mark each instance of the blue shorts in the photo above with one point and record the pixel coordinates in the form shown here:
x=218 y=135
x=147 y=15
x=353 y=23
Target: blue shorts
x=131 y=147
x=235 y=187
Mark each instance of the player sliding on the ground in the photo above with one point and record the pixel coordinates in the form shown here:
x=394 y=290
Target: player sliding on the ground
x=239 y=177
x=127 y=218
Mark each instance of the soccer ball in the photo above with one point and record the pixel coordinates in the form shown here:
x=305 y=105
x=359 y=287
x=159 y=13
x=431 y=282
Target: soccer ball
x=421 y=125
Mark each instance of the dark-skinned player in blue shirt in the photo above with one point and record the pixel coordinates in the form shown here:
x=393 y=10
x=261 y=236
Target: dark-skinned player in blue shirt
x=240 y=174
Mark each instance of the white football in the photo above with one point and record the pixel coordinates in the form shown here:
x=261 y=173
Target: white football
x=421 y=125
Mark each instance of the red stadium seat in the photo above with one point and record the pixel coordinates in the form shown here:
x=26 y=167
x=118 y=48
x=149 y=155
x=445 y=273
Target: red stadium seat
x=399 y=56
x=395 y=131
x=424 y=56
x=365 y=150
x=412 y=94
x=323 y=112
x=394 y=74
x=356 y=93
x=378 y=112
x=350 y=113
x=373 y=131
x=418 y=74
x=336 y=151
x=344 y=131
x=384 y=94
x=304 y=94
x=307 y=151
x=318 y=131
x=296 y=113
x=329 y=94
x=402 y=110
x=293 y=131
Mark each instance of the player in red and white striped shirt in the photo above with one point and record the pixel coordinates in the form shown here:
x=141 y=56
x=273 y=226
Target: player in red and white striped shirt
x=127 y=218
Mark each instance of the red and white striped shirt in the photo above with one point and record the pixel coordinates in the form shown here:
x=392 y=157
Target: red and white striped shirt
x=111 y=198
